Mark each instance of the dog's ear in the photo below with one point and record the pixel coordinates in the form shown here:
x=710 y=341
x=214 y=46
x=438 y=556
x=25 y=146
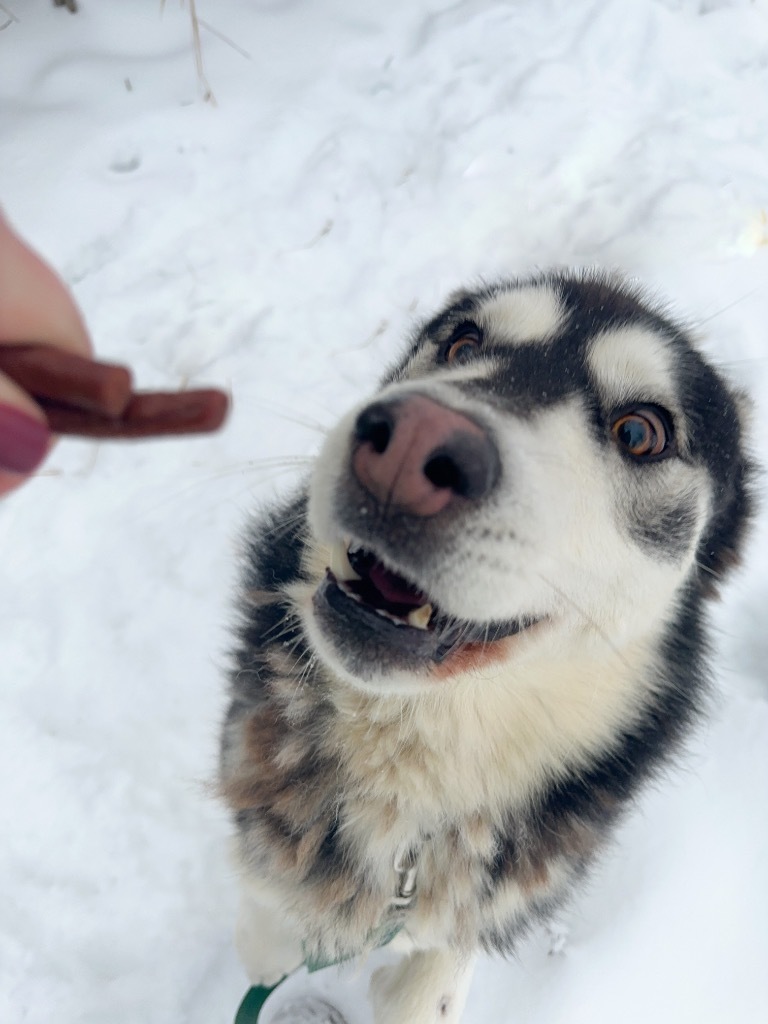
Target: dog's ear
x=734 y=504
x=465 y=297
x=458 y=297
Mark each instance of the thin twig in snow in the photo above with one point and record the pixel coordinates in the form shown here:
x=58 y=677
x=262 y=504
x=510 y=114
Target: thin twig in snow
x=11 y=17
x=225 y=39
x=208 y=96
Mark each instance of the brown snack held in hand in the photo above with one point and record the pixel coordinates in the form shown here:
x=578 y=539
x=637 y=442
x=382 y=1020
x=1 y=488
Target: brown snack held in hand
x=89 y=399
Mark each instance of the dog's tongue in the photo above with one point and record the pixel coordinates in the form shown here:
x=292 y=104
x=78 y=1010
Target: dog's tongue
x=394 y=588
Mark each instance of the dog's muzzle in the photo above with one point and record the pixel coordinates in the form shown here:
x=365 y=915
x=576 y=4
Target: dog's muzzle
x=416 y=468
x=416 y=456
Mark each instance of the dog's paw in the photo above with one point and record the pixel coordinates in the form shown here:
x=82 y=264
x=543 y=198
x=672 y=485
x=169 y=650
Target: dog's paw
x=426 y=988
x=308 y=1010
x=267 y=948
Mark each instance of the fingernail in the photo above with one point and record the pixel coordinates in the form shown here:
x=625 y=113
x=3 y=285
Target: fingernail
x=23 y=440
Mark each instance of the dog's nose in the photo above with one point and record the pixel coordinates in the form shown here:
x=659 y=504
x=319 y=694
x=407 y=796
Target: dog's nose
x=418 y=456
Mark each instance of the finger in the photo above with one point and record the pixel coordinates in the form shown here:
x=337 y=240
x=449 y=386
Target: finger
x=24 y=435
x=34 y=303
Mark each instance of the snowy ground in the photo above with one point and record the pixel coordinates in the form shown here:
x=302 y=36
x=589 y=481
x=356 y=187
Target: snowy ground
x=362 y=159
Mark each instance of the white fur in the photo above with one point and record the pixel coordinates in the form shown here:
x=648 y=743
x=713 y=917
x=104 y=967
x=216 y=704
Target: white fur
x=635 y=364
x=267 y=942
x=529 y=314
x=427 y=987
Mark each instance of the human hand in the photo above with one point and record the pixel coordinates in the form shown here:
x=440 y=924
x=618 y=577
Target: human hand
x=35 y=306
x=52 y=384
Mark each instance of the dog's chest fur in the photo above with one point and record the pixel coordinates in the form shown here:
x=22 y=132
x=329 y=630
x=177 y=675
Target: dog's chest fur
x=334 y=787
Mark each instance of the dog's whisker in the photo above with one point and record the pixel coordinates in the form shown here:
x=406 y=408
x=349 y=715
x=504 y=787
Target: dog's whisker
x=284 y=527
x=272 y=469
x=585 y=615
x=311 y=662
x=288 y=624
x=699 y=323
x=289 y=628
x=709 y=570
x=260 y=598
x=293 y=417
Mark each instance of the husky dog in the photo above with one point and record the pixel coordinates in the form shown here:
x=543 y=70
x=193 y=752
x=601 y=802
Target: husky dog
x=476 y=633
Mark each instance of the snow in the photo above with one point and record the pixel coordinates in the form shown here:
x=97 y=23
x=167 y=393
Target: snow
x=361 y=160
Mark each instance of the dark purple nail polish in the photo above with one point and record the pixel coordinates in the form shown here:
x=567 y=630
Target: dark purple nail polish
x=23 y=440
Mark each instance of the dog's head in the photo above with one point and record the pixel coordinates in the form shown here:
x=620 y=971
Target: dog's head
x=552 y=460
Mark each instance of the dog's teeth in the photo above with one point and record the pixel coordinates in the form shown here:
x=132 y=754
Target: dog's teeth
x=419 y=617
x=340 y=566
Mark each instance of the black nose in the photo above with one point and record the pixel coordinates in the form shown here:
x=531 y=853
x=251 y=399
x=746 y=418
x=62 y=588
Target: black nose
x=418 y=455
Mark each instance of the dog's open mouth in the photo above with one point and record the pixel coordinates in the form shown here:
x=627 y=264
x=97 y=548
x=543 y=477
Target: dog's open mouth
x=371 y=603
x=366 y=579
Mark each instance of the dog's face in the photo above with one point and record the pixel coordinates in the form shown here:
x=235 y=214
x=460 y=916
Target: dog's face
x=552 y=462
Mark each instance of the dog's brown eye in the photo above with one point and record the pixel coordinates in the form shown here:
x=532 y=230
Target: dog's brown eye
x=642 y=432
x=460 y=350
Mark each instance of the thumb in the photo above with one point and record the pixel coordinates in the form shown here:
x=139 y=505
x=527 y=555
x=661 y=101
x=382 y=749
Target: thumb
x=35 y=305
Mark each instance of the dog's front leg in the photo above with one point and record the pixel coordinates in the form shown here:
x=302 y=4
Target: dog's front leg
x=268 y=945
x=427 y=987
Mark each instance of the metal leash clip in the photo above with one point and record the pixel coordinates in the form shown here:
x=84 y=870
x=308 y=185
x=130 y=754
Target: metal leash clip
x=406 y=869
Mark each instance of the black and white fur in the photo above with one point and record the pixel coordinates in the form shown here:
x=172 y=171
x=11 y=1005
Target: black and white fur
x=565 y=657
